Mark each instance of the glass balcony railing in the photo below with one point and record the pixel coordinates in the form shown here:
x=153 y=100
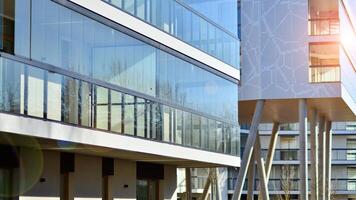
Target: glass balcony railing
x=34 y=92
x=338 y=185
x=182 y=22
x=324 y=26
x=338 y=154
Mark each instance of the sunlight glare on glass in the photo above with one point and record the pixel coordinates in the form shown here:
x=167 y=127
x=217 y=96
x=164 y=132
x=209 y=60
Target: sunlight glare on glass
x=347 y=38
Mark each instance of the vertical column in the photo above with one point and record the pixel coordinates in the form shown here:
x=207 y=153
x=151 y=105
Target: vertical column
x=251 y=180
x=328 y=153
x=303 y=138
x=313 y=157
x=247 y=155
x=66 y=188
x=321 y=152
x=107 y=170
x=188 y=183
x=67 y=166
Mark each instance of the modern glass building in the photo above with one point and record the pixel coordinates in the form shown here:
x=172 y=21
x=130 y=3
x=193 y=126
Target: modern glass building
x=138 y=86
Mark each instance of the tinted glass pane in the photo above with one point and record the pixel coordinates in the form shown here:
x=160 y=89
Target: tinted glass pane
x=140 y=117
x=12 y=86
x=85 y=104
x=178 y=127
x=116 y=111
x=70 y=100
x=187 y=127
x=7 y=11
x=102 y=108
x=220 y=137
x=212 y=135
x=35 y=91
x=129 y=115
x=54 y=97
x=22 y=27
x=204 y=133
x=196 y=131
x=167 y=123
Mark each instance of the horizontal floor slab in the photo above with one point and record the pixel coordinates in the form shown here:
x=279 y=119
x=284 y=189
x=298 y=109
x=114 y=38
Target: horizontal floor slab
x=102 y=143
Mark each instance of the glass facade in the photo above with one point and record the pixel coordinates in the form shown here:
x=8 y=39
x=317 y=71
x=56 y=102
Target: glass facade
x=58 y=36
x=324 y=62
x=35 y=92
x=180 y=20
x=90 y=75
x=218 y=11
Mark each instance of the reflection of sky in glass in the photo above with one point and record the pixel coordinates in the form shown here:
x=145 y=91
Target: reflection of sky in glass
x=85 y=46
x=222 y=12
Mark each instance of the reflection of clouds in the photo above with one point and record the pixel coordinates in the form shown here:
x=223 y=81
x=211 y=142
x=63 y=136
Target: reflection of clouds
x=211 y=87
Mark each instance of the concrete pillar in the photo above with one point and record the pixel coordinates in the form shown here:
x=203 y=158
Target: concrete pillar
x=303 y=158
x=321 y=154
x=313 y=157
x=67 y=186
x=247 y=155
x=251 y=180
x=188 y=184
x=328 y=145
x=261 y=170
x=107 y=188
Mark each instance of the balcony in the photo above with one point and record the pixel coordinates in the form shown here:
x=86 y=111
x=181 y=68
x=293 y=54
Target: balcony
x=340 y=185
x=324 y=26
x=338 y=154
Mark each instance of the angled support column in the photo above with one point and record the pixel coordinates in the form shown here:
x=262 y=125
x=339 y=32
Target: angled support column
x=261 y=170
x=303 y=158
x=322 y=153
x=328 y=145
x=188 y=184
x=247 y=155
x=271 y=149
x=313 y=157
x=251 y=180
x=270 y=153
x=218 y=192
x=204 y=196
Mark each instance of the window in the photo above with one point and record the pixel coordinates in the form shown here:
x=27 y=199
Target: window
x=324 y=62
x=351 y=149
x=323 y=17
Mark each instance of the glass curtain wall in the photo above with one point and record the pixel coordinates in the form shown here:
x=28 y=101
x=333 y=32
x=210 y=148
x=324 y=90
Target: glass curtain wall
x=180 y=20
x=35 y=92
x=192 y=110
x=84 y=46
